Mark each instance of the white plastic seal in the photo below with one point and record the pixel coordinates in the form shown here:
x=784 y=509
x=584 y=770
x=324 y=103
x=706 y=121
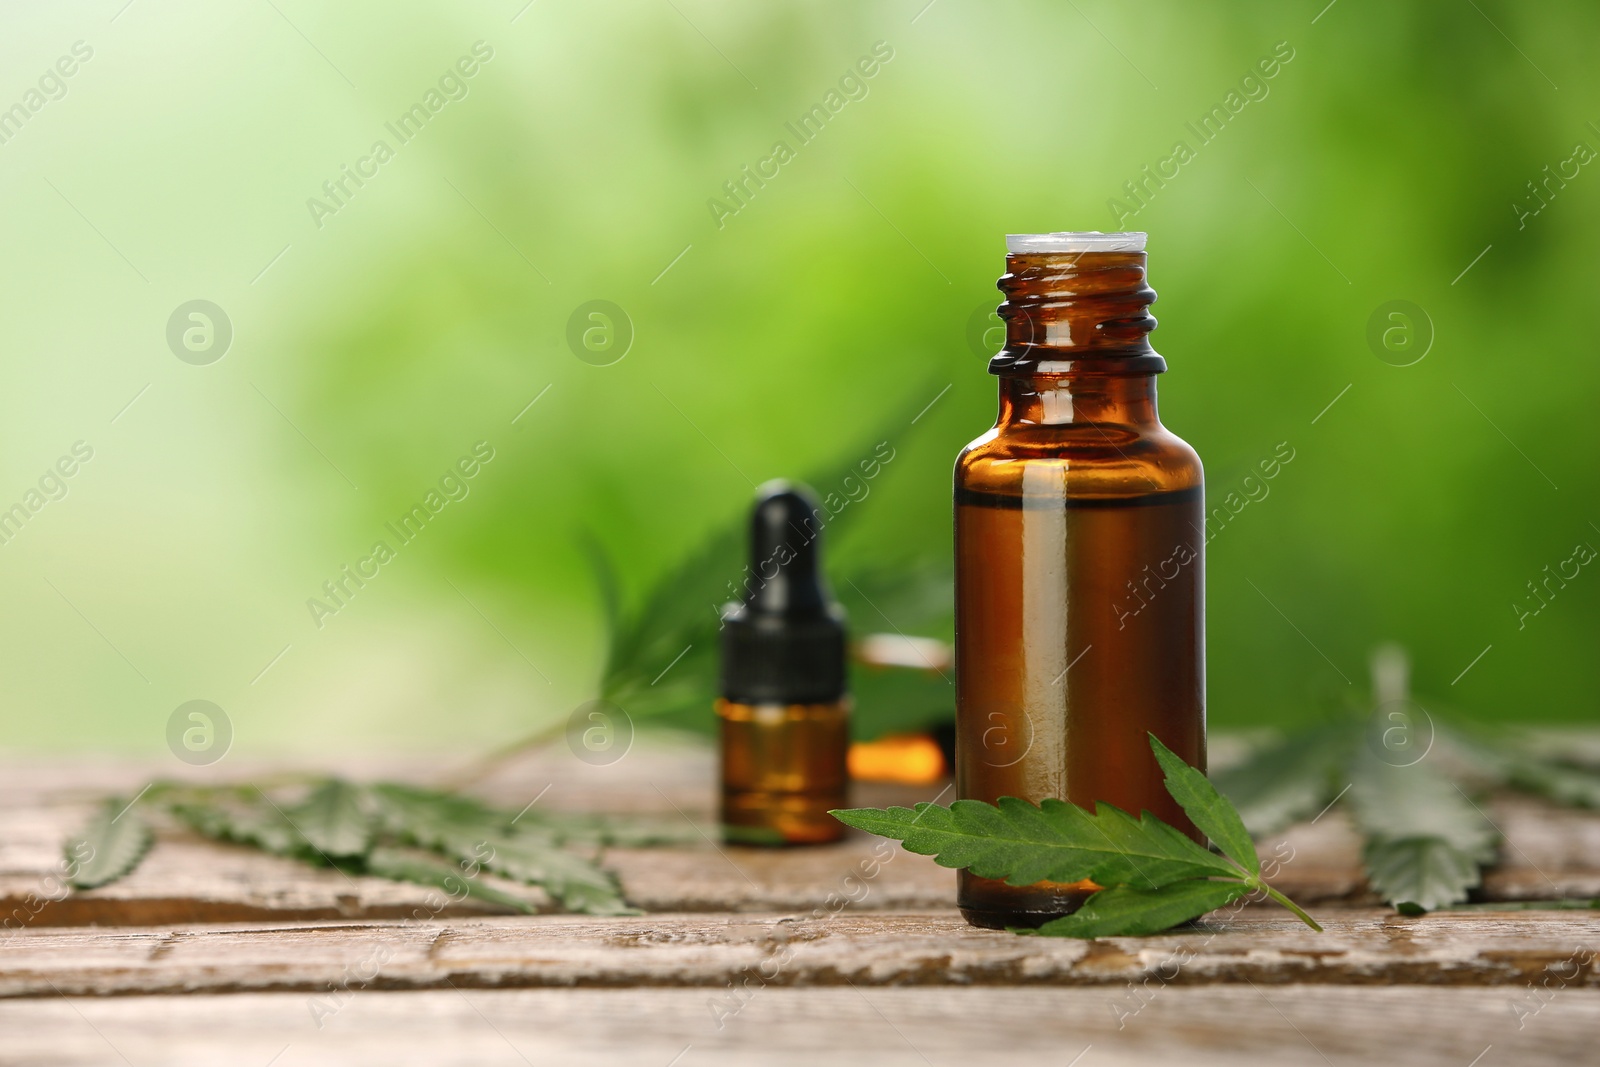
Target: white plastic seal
x=1075 y=241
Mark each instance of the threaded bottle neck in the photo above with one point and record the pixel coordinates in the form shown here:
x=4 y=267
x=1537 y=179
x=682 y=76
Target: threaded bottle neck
x=1039 y=400
x=1076 y=312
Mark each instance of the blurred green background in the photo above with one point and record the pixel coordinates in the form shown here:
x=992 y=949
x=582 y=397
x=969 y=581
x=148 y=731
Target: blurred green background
x=374 y=345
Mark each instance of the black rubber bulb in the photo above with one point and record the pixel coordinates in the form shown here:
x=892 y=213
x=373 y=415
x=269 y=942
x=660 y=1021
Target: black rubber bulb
x=784 y=577
x=785 y=642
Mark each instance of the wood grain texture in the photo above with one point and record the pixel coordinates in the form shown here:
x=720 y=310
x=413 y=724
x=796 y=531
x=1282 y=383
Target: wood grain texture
x=847 y=954
x=734 y=955
x=1196 y=1026
x=1551 y=852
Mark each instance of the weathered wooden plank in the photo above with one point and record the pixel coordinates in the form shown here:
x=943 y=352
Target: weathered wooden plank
x=188 y=879
x=185 y=879
x=737 y=954
x=1553 y=852
x=1202 y=1026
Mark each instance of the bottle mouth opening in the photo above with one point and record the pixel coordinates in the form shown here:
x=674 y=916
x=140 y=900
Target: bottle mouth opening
x=1075 y=241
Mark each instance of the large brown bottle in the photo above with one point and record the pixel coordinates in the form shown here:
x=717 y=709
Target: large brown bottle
x=1080 y=600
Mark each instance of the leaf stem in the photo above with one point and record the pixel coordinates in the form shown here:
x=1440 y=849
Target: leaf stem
x=1286 y=902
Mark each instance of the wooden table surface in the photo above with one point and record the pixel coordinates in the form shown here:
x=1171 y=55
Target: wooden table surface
x=850 y=953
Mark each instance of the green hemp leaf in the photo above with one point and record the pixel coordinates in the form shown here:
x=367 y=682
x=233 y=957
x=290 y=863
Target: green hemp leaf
x=331 y=819
x=387 y=830
x=1293 y=779
x=109 y=846
x=1426 y=839
x=1123 y=911
x=1154 y=876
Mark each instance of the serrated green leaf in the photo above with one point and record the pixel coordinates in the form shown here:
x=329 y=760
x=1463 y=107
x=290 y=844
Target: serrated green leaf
x=331 y=819
x=441 y=821
x=473 y=832
x=244 y=816
x=404 y=865
x=1290 y=780
x=1425 y=839
x=1206 y=808
x=596 y=831
x=110 y=845
x=605 y=577
x=1484 y=754
x=679 y=614
x=1521 y=764
x=898 y=594
x=1562 y=783
x=1427 y=872
x=1056 y=841
x=571 y=880
x=1127 y=911
x=1393 y=803
x=1572 y=904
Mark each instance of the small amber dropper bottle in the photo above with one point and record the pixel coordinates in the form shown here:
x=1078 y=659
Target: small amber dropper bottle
x=1080 y=606
x=783 y=709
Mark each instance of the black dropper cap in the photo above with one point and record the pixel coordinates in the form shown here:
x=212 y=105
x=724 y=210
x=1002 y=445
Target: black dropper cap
x=785 y=643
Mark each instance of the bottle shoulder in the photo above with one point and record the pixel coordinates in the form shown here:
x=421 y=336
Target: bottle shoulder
x=1112 y=460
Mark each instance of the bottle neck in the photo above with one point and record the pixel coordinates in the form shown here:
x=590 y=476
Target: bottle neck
x=1074 y=313
x=1078 y=399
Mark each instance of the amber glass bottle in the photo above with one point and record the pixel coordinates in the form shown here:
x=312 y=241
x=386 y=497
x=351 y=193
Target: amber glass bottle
x=1079 y=575
x=783 y=709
